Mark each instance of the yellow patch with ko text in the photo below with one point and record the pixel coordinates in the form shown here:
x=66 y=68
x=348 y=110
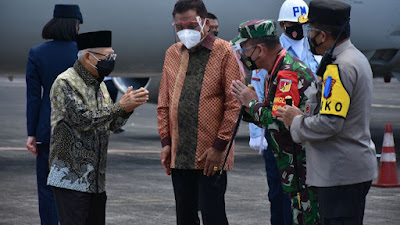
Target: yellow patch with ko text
x=335 y=100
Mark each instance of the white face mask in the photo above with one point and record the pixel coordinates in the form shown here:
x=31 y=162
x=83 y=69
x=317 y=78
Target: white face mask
x=189 y=37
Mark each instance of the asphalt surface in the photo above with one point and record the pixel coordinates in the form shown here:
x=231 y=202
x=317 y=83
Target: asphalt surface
x=138 y=190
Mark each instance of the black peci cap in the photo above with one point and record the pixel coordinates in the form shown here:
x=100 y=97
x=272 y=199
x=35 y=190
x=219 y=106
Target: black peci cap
x=67 y=11
x=97 y=39
x=327 y=12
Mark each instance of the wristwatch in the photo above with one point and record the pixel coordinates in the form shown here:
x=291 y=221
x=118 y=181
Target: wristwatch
x=252 y=103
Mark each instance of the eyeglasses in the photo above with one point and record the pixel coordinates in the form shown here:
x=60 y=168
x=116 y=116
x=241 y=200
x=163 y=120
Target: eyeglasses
x=193 y=25
x=241 y=50
x=250 y=47
x=106 y=56
x=237 y=49
x=309 y=29
x=186 y=25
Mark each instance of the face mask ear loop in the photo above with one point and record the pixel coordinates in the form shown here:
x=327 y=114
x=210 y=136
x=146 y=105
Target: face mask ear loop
x=93 y=65
x=201 y=26
x=95 y=58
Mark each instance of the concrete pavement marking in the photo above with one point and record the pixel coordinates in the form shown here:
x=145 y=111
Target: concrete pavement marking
x=134 y=200
x=12 y=149
x=386 y=106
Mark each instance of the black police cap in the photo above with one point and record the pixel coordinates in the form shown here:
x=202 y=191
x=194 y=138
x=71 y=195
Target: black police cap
x=327 y=12
x=97 y=39
x=67 y=11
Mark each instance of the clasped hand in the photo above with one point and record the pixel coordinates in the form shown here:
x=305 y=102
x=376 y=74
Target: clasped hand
x=133 y=99
x=287 y=114
x=243 y=93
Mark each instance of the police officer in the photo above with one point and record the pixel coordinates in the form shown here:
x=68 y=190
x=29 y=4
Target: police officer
x=340 y=157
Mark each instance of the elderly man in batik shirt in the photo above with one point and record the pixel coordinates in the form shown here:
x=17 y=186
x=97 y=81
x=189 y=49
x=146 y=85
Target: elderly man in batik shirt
x=81 y=119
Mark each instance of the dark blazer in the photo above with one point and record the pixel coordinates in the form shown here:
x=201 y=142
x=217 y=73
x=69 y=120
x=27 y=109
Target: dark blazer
x=45 y=63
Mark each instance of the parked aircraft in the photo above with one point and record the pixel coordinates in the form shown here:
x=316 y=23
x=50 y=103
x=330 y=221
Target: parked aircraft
x=142 y=31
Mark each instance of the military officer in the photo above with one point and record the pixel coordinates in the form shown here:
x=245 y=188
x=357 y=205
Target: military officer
x=259 y=47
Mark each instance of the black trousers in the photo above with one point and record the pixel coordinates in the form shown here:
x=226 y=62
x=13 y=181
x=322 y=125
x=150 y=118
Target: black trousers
x=343 y=205
x=193 y=190
x=80 y=208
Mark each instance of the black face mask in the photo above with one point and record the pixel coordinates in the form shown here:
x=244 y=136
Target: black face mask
x=105 y=67
x=248 y=62
x=215 y=33
x=313 y=44
x=295 y=32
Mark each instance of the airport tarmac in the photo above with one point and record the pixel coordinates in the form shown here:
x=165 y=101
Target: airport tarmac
x=138 y=190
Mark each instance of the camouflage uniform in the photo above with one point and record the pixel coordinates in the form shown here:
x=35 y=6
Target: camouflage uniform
x=291 y=78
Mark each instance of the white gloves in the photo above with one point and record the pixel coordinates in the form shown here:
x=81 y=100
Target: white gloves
x=258 y=143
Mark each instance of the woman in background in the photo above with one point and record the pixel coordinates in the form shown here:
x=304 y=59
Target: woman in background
x=45 y=62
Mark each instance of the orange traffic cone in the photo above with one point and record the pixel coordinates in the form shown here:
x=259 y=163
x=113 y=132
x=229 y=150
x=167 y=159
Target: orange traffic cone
x=387 y=170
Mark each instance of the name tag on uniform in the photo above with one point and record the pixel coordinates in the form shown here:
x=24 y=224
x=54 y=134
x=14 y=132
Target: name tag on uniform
x=335 y=100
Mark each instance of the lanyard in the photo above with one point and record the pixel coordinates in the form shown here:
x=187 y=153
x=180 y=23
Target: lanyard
x=272 y=74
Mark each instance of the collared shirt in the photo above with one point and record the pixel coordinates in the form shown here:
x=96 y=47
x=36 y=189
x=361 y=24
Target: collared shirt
x=295 y=47
x=81 y=119
x=258 y=81
x=196 y=110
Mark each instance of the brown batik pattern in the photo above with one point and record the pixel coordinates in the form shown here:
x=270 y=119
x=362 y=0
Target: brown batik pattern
x=82 y=115
x=217 y=108
x=188 y=109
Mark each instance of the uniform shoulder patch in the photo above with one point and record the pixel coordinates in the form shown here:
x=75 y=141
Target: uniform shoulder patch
x=334 y=100
x=284 y=85
x=287 y=86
